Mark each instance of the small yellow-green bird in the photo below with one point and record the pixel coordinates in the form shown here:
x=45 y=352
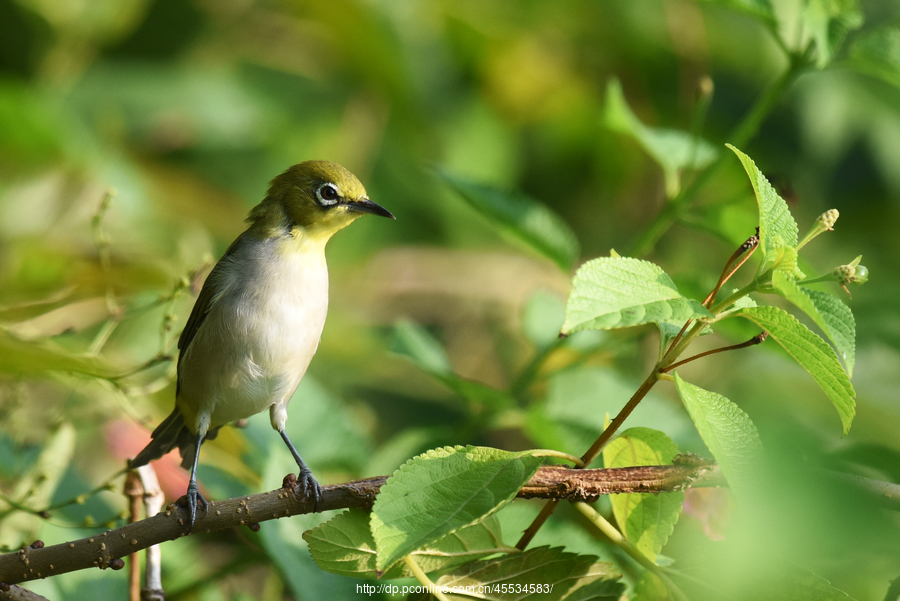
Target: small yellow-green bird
x=259 y=316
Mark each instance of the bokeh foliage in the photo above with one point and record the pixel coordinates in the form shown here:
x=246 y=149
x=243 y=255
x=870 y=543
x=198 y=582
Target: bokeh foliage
x=187 y=108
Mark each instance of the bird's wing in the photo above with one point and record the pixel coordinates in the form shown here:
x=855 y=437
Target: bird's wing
x=201 y=308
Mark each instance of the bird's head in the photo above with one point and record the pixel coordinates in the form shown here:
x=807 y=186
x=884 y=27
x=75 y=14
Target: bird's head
x=319 y=196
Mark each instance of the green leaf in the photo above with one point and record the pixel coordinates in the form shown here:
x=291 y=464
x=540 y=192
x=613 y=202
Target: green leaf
x=784 y=259
x=777 y=227
x=827 y=311
x=728 y=433
x=442 y=491
x=618 y=292
x=761 y=9
x=811 y=352
x=877 y=53
x=744 y=302
x=672 y=149
x=526 y=219
x=647 y=520
x=828 y=22
x=416 y=343
x=344 y=545
x=545 y=573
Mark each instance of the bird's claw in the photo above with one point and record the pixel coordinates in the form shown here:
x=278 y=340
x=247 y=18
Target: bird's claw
x=193 y=497
x=305 y=480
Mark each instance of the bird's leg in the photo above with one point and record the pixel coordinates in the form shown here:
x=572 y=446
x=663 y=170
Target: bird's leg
x=305 y=477
x=193 y=491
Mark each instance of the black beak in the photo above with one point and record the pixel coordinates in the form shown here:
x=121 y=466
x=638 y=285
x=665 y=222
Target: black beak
x=365 y=205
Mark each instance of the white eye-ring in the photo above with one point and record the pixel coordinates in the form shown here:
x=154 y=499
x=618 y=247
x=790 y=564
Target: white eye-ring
x=327 y=194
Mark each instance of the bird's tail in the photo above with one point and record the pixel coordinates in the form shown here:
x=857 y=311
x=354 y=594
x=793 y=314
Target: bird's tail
x=171 y=433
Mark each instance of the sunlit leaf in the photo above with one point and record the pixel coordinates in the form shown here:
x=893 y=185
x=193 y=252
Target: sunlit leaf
x=827 y=311
x=728 y=433
x=618 y=292
x=811 y=352
x=777 y=227
x=442 y=491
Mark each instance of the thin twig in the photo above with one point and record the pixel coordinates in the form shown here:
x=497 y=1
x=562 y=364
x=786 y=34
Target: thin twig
x=677 y=338
x=758 y=339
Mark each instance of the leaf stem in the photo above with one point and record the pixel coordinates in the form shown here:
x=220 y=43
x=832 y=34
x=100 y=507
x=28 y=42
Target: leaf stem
x=735 y=296
x=423 y=578
x=559 y=454
x=759 y=338
x=626 y=545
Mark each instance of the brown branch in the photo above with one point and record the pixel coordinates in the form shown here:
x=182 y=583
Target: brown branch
x=104 y=550
x=557 y=482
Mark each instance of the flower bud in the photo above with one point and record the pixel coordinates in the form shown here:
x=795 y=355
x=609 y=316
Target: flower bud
x=852 y=273
x=828 y=218
x=824 y=223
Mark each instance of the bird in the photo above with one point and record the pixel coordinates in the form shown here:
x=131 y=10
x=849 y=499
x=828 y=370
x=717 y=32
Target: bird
x=257 y=321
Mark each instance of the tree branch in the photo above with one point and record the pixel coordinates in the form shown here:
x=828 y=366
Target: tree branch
x=105 y=550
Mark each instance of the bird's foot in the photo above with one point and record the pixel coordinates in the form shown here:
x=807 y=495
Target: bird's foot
x=192 y=499
x=305 y=481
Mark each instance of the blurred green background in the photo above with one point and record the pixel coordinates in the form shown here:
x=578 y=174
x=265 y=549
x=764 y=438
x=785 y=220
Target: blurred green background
x=187 y=108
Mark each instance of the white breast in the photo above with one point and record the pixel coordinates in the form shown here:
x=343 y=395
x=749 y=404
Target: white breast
x=260 y=334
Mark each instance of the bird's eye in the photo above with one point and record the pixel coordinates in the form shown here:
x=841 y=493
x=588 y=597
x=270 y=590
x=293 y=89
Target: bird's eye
x=327 y=194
